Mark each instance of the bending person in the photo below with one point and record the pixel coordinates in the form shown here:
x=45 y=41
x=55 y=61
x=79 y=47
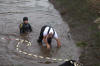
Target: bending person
x=46 y=35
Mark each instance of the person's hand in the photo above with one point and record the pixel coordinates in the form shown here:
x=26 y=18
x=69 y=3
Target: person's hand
x=48 y=46
x=59 y=45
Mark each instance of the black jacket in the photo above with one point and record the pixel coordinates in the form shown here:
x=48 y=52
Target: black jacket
x=25 y=28
x=68 y=63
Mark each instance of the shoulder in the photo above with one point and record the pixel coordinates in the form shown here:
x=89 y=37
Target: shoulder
x=29 y=24
x=47 y=28
x=21 y=25
x=45 y=31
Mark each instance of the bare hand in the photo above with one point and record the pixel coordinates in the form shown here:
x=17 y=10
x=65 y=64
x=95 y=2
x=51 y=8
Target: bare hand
x=48 y=46
x=59 y=45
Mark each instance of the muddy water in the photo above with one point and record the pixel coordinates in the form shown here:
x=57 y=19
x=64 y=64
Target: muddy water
x=40 y=13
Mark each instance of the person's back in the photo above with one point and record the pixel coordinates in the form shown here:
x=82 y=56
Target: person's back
x=25 y=27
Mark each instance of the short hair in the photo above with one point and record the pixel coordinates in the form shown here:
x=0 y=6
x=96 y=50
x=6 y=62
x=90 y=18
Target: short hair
x=25 y=18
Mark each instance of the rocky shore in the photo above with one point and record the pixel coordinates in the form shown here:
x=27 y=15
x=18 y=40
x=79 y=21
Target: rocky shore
x=83 y=18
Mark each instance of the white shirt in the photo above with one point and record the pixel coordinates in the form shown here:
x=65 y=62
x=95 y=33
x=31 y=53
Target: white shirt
x=51 y=31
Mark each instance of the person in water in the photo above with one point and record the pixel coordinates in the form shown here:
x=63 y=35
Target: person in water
x=70 y=63
x=46 y=35
x=25 y=27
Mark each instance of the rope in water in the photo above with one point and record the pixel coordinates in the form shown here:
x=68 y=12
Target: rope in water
x=30 y=54
x=20 y=41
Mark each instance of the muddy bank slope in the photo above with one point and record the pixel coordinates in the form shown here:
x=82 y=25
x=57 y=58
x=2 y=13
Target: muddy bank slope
x=81 y=15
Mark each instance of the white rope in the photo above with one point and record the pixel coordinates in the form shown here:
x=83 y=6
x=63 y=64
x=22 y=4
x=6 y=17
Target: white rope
x=34 y=55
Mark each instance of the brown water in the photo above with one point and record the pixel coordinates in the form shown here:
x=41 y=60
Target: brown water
x=40 y=13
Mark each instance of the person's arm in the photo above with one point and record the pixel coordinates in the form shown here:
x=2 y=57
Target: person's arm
x=57 y=39
x=30 y=28
x=58 y=42
x=21 y=28
x=21 y=31
x=45 y=41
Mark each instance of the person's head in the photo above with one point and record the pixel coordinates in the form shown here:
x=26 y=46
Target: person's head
x=25 y=20
x=50 y=35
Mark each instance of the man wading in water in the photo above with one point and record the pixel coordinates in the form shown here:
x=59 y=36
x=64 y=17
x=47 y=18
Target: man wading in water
x=25 y=27
x=46 y=35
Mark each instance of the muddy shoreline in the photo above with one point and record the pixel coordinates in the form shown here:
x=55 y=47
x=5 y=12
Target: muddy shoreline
x=80 y=17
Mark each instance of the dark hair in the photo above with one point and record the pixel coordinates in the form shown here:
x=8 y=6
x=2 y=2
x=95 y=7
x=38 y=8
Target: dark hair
x=25 y=18
x=68 y=63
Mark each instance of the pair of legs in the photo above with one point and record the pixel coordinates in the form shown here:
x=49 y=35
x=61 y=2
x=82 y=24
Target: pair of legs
x=41 y=36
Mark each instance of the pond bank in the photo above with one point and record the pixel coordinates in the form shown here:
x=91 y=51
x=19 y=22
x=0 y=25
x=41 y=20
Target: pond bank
x=81 y=18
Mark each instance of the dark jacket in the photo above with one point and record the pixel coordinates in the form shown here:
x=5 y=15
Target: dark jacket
x=68 y=63
x=25 y=28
